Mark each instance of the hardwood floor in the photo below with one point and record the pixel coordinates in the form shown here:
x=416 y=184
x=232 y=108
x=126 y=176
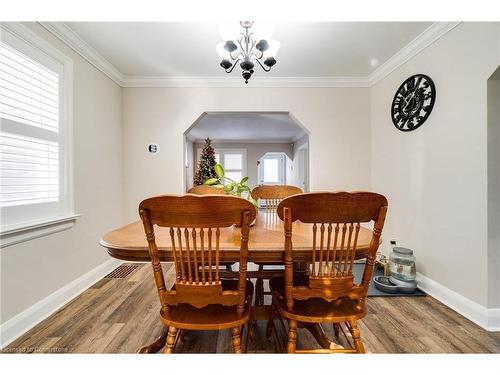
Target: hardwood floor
x=120 y=315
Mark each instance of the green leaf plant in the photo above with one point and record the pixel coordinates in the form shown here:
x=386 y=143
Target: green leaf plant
x=230 y=186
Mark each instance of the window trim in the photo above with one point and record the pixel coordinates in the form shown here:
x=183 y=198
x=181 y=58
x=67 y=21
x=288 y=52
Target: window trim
x=20 y=232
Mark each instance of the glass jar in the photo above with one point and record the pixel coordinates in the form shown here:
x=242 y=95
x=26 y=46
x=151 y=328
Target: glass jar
x=402 y=264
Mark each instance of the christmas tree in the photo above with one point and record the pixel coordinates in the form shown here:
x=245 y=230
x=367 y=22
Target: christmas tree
x=206 y=164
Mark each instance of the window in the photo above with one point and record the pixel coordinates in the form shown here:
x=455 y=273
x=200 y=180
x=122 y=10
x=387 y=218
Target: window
x=234 y=161
x=35 y=133
x=272 y=169
x=233 y=165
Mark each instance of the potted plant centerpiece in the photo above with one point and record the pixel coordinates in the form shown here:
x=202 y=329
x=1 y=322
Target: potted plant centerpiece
x=230 y=186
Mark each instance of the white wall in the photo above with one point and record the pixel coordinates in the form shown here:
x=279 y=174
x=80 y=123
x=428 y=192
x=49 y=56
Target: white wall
x=254 y=152
x=32 y=270
x=337 y=118
x=435 y=177
x=494 y=192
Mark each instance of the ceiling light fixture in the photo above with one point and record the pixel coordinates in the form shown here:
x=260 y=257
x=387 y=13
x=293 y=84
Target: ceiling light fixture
x=250 y=47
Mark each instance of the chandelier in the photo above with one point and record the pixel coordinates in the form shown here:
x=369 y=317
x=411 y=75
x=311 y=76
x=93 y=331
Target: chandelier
x=247 y=48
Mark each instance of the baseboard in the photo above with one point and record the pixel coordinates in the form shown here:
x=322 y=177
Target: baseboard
x=489 y=319
x=22 y=322
x=494 y=320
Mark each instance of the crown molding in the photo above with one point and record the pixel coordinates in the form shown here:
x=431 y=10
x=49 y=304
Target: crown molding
x=74 y=41
x=236 y=81
x=422 y=41
x=242 y=141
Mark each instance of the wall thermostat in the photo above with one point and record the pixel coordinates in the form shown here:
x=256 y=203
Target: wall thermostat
x=153 y=148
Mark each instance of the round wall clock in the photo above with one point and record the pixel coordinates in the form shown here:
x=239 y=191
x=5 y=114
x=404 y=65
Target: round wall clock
x=413 y=102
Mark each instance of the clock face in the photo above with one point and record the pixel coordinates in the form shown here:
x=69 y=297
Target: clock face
x=413 y=102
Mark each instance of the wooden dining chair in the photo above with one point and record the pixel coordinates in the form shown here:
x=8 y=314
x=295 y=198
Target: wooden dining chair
x=205 y=190
x=327 y=293
x=271 y=195
x=199 y=298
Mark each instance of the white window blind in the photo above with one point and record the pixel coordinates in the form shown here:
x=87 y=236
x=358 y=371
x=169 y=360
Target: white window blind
x=29 y=140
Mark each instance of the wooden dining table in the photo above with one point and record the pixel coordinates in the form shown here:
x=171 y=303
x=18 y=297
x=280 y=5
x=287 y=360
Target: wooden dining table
x=266 y=245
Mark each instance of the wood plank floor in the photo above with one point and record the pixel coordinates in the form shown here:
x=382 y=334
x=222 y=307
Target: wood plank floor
x=120 y=315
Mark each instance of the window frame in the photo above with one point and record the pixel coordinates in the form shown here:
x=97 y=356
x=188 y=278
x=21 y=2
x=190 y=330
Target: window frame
x=222 y=151
x=29 y=43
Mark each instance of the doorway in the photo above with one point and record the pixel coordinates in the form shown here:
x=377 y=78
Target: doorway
x=245 y=142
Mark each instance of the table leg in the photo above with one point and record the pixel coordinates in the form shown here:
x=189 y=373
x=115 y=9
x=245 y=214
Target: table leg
x=320 y=336
x=156 y=345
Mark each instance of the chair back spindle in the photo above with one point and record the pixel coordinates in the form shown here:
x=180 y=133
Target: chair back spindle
x=194 y=226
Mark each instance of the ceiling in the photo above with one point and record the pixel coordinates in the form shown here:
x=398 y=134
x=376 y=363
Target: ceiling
x=324 y=49
x=246 y=127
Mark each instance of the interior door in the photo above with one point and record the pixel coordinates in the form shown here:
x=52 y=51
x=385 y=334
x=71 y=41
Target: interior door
x=272 y=169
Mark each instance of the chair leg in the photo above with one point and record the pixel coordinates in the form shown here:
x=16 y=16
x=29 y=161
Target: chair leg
x=336 y=329
x=249 y=333
x=358 y=344
x=172 y=333
x=182 y=332
x=292 y=336
x=252 y=324
x=236 y=339
x=270 y=321
x=259 y=289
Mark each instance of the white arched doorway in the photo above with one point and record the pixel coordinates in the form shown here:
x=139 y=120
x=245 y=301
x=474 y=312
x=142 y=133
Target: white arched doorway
x=253 y=135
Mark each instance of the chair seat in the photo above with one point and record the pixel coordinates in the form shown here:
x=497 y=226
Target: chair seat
x=211 y=317
x=314 y=310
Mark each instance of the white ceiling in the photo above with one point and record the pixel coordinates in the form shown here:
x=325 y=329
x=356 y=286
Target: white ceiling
x=246 y=127
x=328 y=49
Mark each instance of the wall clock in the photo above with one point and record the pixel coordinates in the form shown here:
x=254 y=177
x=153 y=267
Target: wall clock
x=413 y=102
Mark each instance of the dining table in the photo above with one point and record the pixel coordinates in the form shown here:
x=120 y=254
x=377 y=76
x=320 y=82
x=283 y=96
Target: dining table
x=265 y=246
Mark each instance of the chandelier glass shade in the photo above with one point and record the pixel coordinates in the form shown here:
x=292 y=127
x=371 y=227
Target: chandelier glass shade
x=247 y=48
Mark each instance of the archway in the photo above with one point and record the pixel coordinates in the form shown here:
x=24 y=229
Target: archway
x=251 y=135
